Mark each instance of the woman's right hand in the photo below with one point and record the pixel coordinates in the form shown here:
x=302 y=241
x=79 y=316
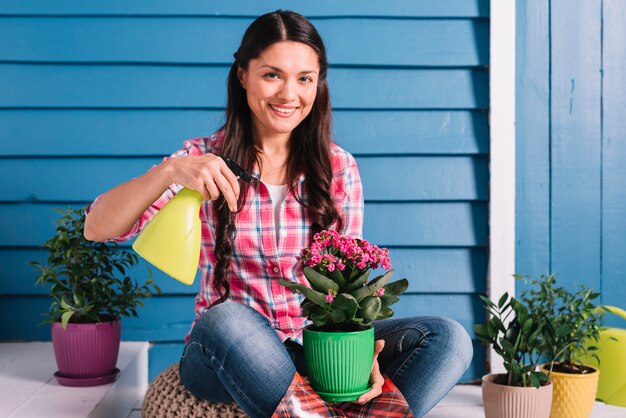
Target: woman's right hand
x=209 y=175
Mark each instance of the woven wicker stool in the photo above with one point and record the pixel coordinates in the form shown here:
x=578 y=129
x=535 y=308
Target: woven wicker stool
x=167 y=398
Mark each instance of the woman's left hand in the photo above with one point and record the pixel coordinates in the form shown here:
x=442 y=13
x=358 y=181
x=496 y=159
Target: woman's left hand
x=376 y=378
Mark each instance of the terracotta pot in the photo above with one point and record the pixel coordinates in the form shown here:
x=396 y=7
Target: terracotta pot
x=574 y=394
x=86 y=351
x=501 y=401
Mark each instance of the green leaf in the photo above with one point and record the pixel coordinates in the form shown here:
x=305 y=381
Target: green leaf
x=384 y=313
x=319 y=320
x=527 y=325
x=396 y=288
x=498 y=324
x=563 y=330
x=338 y=316
x=337 y=276
x=380 y=281
x=345 y=303
x=64 y=305
x=361 y=293
x=313 y=295
x=65 y=318
x=481 y=332
x=487 y=301
x=320 y=282
x=502 y=300
x=388 y=300
x=534 y=380
x=359 y=281
x=508 y=347
x=492 y=330
x=370 y=306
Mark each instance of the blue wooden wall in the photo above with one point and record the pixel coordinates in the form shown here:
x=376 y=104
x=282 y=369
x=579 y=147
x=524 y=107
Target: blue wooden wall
x=93 y=94
x=571 y=101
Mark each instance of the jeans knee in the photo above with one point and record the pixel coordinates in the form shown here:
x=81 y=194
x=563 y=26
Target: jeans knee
x=228 y=321
x=227 y=314
x=459 y=341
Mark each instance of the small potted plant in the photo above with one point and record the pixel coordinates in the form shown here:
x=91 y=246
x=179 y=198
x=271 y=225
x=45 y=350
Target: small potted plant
x=90 y=292
x=516 y=337
x=342 y=302
x=570 y=321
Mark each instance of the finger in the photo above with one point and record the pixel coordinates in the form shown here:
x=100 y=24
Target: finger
x=211 y=187
x=231 y=177
x=203 y=192
x=376 y=390
x=227 y=190
x=379 y=345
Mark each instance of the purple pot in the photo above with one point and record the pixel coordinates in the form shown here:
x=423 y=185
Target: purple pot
x=86 y=350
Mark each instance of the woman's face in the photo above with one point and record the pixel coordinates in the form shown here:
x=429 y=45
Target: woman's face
x=281 y=86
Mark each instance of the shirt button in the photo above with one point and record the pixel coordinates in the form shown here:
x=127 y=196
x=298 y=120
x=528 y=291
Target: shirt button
x=280 y=297
x=283 y=234
x=275 y=269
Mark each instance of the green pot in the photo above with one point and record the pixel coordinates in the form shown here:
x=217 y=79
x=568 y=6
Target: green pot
x=339 y=363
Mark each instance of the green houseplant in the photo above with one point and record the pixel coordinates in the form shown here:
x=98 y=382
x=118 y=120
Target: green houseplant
x=88 y=300
x=570 y=320
x=516 y=337
x=342 y=302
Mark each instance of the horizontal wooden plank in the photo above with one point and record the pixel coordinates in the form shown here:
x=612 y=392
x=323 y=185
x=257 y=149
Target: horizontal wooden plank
x=449 y=224
x=169 y=318
x=20 y=275
x=402 y=8
x=384 y=178
x=441 y=270
x=429 y=270
x=424 y=178
x=26 y=85
x=161 y=319
x=411 y=132
x=160 y=132
x=163 y=355
x=213 y=40
x=426 y=224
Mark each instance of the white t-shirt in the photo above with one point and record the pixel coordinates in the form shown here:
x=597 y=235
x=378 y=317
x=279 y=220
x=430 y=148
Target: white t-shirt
x=278 y=195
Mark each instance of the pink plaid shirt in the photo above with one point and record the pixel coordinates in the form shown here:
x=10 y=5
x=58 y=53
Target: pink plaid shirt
x=258 y=258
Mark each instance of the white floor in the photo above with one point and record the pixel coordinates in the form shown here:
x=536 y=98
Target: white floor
x=465 y=401
x=29 y=390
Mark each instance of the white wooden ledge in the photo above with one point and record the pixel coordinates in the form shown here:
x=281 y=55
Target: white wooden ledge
x=28 y=388
x=465 y=401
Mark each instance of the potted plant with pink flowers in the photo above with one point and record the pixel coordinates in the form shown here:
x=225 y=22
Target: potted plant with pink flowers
x=342 y=303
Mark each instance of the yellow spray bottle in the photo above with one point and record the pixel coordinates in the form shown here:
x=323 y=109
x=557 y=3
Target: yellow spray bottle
x=171 y=240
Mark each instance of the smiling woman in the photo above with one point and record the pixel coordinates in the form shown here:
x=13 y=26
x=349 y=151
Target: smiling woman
x=281 y=86
x=245 y=342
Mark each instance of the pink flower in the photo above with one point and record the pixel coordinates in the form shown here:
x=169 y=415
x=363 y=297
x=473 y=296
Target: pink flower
x=380 y=292
x=330 y=296
x=330 y=251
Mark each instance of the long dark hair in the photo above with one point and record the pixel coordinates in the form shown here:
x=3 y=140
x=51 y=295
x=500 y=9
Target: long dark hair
x=309 y=143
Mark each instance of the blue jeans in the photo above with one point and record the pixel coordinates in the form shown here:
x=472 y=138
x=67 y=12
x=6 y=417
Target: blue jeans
x=234 y=354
